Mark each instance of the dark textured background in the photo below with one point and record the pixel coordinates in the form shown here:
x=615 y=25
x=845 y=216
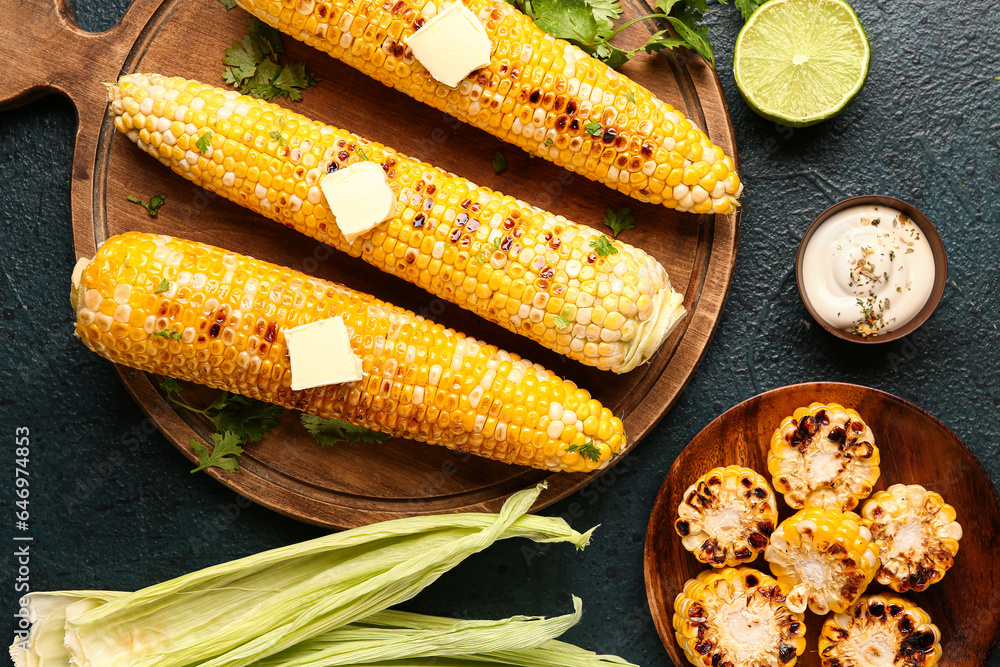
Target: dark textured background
x=925 y=129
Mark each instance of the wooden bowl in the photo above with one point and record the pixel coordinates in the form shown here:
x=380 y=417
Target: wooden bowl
x=915 y=448
x=937 y=250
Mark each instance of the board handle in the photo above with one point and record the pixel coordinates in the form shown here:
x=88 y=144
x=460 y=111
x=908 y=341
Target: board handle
x=45 y=51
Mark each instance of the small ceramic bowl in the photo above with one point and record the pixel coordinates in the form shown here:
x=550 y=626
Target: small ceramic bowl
x=937 y=250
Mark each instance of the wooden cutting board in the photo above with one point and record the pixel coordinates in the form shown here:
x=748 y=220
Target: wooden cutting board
x=287 y=471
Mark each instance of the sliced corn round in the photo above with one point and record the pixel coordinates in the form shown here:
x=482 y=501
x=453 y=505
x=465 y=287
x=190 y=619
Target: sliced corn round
x=737 y=616
x=880 y=630
x=916 y=534
x=823 y=456
x=726 y=516
x=824 y=558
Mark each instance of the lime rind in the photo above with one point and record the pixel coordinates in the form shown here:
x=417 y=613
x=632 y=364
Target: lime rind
x=800 y=62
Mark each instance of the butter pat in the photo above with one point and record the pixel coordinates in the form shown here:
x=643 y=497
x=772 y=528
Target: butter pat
x=451 y=45
x=359 y=197
x=320 y=354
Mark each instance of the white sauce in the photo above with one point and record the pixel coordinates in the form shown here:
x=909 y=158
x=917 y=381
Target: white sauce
x=868 y=270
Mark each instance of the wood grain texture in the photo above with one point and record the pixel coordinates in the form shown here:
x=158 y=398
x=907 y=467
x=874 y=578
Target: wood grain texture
x=915 y=448
x=287 y=471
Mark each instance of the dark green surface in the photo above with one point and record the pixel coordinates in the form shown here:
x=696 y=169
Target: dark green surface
x=114 y=507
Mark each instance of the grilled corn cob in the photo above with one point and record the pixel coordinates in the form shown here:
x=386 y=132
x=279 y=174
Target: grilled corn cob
x=527 y=270
x=726 y=516
x=202 y=314
x=737 y=616
x=916 y=534
x=539 y=93
x=824 y=558
x=823 y=456
x=880 y=630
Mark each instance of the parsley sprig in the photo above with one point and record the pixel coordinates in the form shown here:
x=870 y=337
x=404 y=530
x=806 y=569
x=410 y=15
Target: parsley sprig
x=252 y=66
x=239 y=420
x=590 y=25
x=248 y=418
x=588 y=450
x=499 y=162
x=224 y=454
x=619 y=220
x=603 y=247
x=152 y=206
x=333 y=432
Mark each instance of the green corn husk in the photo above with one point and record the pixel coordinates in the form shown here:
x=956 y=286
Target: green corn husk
x=392 y=635
x=393 y=638
x=45 y=645
x=238 y=613
x=496 y=650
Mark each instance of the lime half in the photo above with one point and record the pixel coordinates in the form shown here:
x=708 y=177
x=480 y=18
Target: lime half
x=799 y=62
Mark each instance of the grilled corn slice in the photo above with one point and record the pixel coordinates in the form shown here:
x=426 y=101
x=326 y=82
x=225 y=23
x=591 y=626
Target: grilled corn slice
x=726 y=516
x=823 y=456
x=527 y=270
x=824 y=558
x=880 y=630
x=539 y=93
x=737 y=616
x=202 y=314
x=916 y=534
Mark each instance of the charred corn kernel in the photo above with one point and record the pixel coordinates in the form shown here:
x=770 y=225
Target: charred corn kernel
x=880 y=630
x=726 y=516
x=221 y=318
x=824 y=558
x=823 y=456
x=737 y=616
x=442 y=222
x=916 y=534
x=549 y=93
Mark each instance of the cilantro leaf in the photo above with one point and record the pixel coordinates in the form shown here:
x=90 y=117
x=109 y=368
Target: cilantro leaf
x=588 y=450
x=204 y=142
x=225 y=450
x=241 y=60
x=248 y=418
x=593 y=128
x=152 y=206
x=499 y=162
x=569 y=19
x=252 y=66
x=748 y=7
x=695 y=37
x=629 y=96
x=172 y=334
x=162 y=287
x=291 y=81
x=603 y=247
x=562 y=321
x=228 y=4
x=619 y=220
x=329 y=432
x=269 y=38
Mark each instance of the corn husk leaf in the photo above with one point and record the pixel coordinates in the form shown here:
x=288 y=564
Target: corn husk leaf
x=238 y=613
x=387 y=636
